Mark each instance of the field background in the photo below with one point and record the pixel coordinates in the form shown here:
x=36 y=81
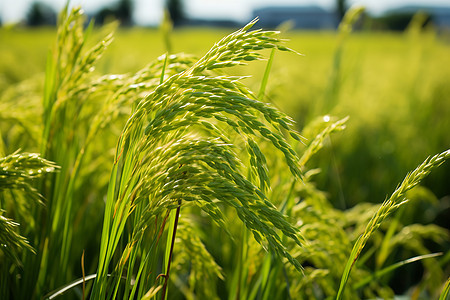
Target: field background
x=395 y=88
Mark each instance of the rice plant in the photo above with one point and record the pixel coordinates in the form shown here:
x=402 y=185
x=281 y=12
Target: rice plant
x=178 y=182
x=394 y=202
x=18 y=197
x=175 y=150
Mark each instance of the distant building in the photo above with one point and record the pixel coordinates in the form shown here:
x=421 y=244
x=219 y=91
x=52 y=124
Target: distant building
x=305 y=17
x=439 y=15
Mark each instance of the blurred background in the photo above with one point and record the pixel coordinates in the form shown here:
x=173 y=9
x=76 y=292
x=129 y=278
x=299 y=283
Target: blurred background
x=308 y=14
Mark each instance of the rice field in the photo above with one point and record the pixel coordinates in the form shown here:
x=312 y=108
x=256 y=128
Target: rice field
x=205 y=164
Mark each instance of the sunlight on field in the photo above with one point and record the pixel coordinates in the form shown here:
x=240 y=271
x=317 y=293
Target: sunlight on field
x=142 y=136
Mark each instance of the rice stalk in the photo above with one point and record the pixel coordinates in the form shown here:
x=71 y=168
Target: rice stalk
x=390 y=205
x=175 y=149
x=17 y=197
x=18 y=169
x=10 y=241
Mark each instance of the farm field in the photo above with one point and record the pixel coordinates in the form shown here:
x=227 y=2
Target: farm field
x=135 y=184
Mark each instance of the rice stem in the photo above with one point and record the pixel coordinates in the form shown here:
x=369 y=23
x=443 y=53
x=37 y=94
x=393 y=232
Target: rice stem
x=174 y=232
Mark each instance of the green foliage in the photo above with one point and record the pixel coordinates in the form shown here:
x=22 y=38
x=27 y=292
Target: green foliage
x=16 y=173
x=176 y=149
x=204 y=190
x=17 y=197
x=396 y=200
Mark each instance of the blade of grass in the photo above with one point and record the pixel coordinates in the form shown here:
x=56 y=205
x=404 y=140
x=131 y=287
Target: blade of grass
x=391 y=268
x=445 y=290
x=265 y=79
x=161 y=80
x=84 y=275
x=62 y=290
x=262 y=278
